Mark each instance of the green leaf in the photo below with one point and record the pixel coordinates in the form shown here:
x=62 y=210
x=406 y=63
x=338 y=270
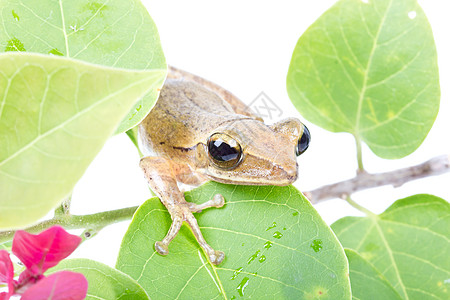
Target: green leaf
x=275 y=243
x=55 y=115
x=408 y=244
x=115 y=33
x=6 y=246
x=104 y=282
x=369 y=68
x=367 y=283
x=133 y=136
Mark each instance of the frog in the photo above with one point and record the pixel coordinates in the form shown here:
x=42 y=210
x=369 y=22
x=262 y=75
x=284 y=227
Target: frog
x=194 y=134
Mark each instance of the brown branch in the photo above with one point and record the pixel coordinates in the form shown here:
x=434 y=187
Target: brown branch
x=435 y=166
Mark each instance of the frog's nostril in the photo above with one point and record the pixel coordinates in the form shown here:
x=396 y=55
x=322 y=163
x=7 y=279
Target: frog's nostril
x=286 y=174
x=292 y=173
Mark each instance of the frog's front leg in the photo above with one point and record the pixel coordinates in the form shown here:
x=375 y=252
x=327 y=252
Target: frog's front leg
x=162 y=180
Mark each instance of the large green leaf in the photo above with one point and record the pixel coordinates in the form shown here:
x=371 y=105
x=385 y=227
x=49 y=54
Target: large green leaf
x=104 y=282
x=367 y=283
x=55 y=115
x=369 y=68
x=408 y=244
x=276 y=246
x=116 y=33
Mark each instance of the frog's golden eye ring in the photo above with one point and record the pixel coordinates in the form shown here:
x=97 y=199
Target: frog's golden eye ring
x=303 y=141
x=224 y=151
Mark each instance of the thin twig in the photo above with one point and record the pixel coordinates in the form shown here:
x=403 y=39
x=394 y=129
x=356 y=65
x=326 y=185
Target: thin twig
x=93 y=223
x=435 y=166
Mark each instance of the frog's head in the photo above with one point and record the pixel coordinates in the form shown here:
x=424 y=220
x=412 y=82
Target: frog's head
x=251 y=153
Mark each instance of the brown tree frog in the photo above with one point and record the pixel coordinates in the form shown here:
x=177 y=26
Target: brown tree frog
x=192 y=135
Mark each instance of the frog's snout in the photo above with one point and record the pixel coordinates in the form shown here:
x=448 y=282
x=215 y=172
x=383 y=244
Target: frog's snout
x=292 y=173
x=286 y=175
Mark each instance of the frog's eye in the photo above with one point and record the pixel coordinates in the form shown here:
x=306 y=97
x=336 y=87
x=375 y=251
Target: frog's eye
x=303 y=141
x=224 y=151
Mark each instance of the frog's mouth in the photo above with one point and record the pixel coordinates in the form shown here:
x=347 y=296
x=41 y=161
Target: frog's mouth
x=255 y=176
x=284 y=182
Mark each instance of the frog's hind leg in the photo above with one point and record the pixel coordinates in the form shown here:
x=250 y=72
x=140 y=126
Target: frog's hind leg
x=216 y=257
x=162 y=180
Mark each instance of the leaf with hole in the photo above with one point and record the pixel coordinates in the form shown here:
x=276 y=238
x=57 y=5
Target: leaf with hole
x=369 y=68
x=275 y=244
x=104 y=281
x=408 y=244
x=55 y=115
x=115 y=33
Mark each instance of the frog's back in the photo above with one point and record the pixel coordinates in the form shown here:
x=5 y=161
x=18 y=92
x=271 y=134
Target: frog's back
x=184 y=114
x=189 y=98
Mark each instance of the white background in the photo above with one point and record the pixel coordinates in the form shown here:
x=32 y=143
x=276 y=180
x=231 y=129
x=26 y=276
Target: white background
x=246 y=47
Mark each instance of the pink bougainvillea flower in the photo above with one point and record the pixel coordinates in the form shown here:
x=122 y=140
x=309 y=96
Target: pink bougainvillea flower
x=39 y=253
x=63 y=285
x=6 y=274
x=45 y=250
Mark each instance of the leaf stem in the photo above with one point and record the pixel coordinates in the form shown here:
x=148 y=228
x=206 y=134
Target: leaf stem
x=92 y=223
x=359 y=154
x=359 y=207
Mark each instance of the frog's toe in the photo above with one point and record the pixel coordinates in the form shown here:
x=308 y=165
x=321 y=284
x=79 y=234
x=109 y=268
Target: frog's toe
x=161 y=248
x=217 y=201
x=216 y=257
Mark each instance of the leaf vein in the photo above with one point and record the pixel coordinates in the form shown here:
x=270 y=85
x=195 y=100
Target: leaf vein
x=192 y=276
x=64 y=28
x=264 y=277
x=421 y=260
x=403 y=68
x=72 y=118
x=37 y=16
x=369 y=64
x=101 y=33
x=391 y=258
x=399 y=113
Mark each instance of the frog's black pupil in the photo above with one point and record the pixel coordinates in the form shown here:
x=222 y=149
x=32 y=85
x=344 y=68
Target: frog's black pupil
x=303 y=142
x=221 y=151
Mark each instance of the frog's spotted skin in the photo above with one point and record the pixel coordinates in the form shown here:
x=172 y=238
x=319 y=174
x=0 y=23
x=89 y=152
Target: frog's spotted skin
x=192 y=135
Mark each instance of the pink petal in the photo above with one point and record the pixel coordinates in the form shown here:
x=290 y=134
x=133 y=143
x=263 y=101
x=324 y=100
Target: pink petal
x=6 y=267
x=27 y=277
x=63 y=285
x=5 y=296
x=45 y=250
x=6 y=274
